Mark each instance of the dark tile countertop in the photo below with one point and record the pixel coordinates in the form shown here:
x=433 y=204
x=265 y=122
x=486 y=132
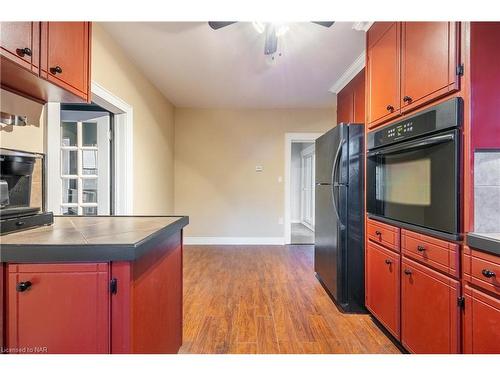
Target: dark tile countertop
x=487 y=242
x=90 y=239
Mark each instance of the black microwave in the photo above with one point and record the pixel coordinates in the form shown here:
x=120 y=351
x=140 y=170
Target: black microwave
x=413 y=171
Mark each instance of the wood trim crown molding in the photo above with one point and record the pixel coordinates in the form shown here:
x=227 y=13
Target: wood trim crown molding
x=349 y=74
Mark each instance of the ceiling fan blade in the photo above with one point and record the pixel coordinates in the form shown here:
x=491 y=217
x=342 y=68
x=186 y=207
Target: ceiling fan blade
x=271 y=44
x=324 y=23
x=219 y=24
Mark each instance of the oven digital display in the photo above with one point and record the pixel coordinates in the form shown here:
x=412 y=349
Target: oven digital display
x=421 y=124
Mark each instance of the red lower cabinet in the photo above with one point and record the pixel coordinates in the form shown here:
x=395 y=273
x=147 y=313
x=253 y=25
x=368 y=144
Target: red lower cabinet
x=382 y=286
x=58 y=308
x=429 y=310
x=481 y=323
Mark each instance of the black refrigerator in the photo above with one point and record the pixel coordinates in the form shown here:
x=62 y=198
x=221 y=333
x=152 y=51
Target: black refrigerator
x=339 y=215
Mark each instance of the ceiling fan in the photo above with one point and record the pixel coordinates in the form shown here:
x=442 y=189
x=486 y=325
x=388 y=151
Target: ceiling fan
x=272 y=30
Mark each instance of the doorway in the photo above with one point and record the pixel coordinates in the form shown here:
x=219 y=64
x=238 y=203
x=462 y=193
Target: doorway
x=85 y=161
x=302 y=193
x=89 y=150
x=303 y=212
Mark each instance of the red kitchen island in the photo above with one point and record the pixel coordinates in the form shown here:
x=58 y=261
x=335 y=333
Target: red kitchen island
x=94 y=285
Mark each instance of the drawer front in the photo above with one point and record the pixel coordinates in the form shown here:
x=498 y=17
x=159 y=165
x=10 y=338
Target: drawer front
x=383 y=234
x=485 y=271
x=439 y=254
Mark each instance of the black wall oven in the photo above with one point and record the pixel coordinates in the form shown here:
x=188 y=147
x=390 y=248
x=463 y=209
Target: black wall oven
x=413 y=171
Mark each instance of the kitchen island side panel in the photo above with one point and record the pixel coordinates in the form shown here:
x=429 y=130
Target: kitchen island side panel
x=147 y=306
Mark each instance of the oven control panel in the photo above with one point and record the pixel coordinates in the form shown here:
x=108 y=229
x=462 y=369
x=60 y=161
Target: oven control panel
x=442 y=116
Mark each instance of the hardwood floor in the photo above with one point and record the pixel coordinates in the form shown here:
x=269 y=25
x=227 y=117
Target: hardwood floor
x=266 y=299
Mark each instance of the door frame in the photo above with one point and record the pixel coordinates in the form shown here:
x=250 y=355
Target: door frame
x=289 y=139
x=123 y=147
x=309 y=151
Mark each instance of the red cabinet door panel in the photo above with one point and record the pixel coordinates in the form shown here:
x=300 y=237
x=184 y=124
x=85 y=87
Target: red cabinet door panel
x=358 y=87
x=345 y=105
x=66 y=309
x=429 y=61
x=429 y=310
x=19 y=41
x=481 y=323
x=383 y=67
x=382 y=286
x=67 y=48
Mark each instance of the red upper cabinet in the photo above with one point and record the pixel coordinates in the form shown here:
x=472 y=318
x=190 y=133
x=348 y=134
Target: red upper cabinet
x=429 y=310
x=61 y=307
x=351 y=101
x=429 y=61
x=65 y=54
x=345 y=106
x=382 y=71
x=382 y=286
x=19 y=42
x=358 y=88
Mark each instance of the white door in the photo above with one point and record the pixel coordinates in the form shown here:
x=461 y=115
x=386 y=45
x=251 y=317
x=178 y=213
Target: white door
x=81 y=184
x=307 y=187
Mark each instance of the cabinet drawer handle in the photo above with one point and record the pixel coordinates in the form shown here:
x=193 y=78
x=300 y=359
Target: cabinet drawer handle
x=56 y=70
x=421 y=248
x=407 y=99
x=24 y=51
x=407 y=272
x=388 y=261
x=377 y=232
x=390 y=108
x=23 y=285
x=488 y=273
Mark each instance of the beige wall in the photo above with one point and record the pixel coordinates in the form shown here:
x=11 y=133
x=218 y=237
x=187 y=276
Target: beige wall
x=26 y=138
x=216 y=152
x=153 y=124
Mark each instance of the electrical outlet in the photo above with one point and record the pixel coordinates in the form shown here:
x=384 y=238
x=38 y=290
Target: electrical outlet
x=259 y=168
x=280 y=179
x=280 y=220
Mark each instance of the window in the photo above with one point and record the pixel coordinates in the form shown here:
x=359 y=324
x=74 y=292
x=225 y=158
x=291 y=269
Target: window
x=84 y=163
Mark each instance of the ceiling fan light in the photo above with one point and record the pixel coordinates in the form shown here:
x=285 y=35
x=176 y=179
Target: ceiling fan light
x=281 y=29
x=260 y=27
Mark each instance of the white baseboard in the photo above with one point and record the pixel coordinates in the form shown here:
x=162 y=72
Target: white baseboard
x=234 y=241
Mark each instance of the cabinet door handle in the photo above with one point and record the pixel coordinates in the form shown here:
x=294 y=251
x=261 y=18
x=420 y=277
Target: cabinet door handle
x=56 y=70
x=407 y=272
x=488 y=273
x=390 y=108
x=388 y=261
x=421 y=248
x=23 y=285
x=24 y=51
x=407 y=99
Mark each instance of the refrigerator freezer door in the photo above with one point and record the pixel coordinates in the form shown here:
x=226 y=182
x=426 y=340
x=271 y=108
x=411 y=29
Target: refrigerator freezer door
x=326 y=148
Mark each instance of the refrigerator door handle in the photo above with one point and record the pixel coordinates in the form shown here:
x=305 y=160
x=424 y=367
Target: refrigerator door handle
x=338 y=154
x=335 y=209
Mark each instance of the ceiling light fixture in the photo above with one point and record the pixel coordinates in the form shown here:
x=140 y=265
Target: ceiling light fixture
x=280 y=28
x=260 y=27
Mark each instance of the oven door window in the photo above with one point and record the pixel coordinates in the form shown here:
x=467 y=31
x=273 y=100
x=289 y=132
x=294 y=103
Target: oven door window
x=416 y=183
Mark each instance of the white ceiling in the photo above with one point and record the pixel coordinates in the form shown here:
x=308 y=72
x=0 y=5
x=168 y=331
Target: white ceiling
x=195 y=66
